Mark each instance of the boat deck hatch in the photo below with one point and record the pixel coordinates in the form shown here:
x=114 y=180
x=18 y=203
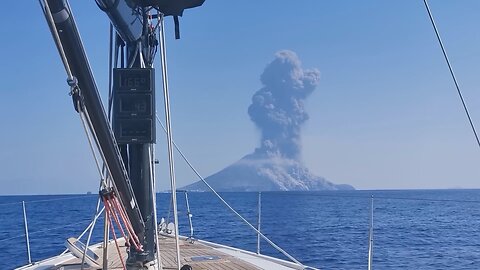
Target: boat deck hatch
x=71 y=266
x=204 y=258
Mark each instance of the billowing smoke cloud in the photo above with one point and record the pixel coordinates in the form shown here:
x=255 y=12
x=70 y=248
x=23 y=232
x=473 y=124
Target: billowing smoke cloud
x=278 y=111
x=278 y=108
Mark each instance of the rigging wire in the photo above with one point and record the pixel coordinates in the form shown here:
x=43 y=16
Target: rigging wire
x=84 y=115
x=148 y=63
x=10 y=203
x=389 y=198
x=451 y=71
x=46 y=230
x=168 y=130
x=55 y=228
x=49 y=200
x=86 y=125
x=227 y=204
x=110 y=71
x=51 y=25
x=316 y=194
x=87 y=228
x=111 y=63
x=134 y=56
x=154 y=196
x=90 y=233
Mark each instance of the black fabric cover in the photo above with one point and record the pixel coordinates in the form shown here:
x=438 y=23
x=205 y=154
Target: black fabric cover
x=171 y=7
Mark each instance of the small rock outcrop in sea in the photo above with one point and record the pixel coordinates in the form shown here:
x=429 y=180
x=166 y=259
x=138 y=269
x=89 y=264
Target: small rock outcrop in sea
x=278 y=111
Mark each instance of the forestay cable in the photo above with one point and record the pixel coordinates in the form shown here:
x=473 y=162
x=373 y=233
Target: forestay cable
x=451 y=72
x=168 y=130
x=227 y=204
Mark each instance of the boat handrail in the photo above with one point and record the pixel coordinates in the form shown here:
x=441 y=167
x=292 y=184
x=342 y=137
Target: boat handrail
x=275 y=246
x=50 y=200
x=257 y=231
x=45 y=230
x=26 y=235
x=87 y=221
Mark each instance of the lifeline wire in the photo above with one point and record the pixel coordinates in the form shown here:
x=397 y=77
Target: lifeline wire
x=228 y=205
x=451 y=71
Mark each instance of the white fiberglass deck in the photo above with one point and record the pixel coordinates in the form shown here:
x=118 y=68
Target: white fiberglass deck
x=201 y=255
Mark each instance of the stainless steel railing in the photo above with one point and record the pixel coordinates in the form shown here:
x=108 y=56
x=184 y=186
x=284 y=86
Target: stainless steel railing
x=27 y=240
x=25 y=222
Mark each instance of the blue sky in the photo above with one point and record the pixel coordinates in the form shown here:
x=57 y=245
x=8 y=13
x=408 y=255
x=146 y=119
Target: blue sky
x=385 y=114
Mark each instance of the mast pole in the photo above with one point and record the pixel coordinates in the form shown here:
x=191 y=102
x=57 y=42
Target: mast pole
x=140 y=166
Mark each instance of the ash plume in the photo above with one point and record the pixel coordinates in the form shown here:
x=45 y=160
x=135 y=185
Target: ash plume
x=278 y=108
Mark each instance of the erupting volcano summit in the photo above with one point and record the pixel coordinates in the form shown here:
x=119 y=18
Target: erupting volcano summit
x=278 y=110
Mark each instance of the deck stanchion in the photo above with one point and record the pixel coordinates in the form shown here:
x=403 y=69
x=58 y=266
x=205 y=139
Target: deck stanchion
x=370 y=237
x=259 y=220
x=189 y=214
x=26 y=233
x=106 y=236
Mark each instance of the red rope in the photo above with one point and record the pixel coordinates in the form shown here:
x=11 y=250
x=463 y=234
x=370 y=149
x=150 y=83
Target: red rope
x=117 y=221
x=128 y=225
x=116 y=209
x=125 y=217
x=107 y=208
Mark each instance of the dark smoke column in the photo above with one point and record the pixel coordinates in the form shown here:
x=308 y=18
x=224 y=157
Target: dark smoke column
x=278 y=108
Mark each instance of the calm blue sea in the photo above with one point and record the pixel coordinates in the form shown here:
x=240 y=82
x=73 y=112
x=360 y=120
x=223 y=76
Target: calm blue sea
x=424 y=229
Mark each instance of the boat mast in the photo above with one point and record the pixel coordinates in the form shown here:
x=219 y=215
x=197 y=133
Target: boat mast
x=134 y=104
x=136 y=149
x=127 y=150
